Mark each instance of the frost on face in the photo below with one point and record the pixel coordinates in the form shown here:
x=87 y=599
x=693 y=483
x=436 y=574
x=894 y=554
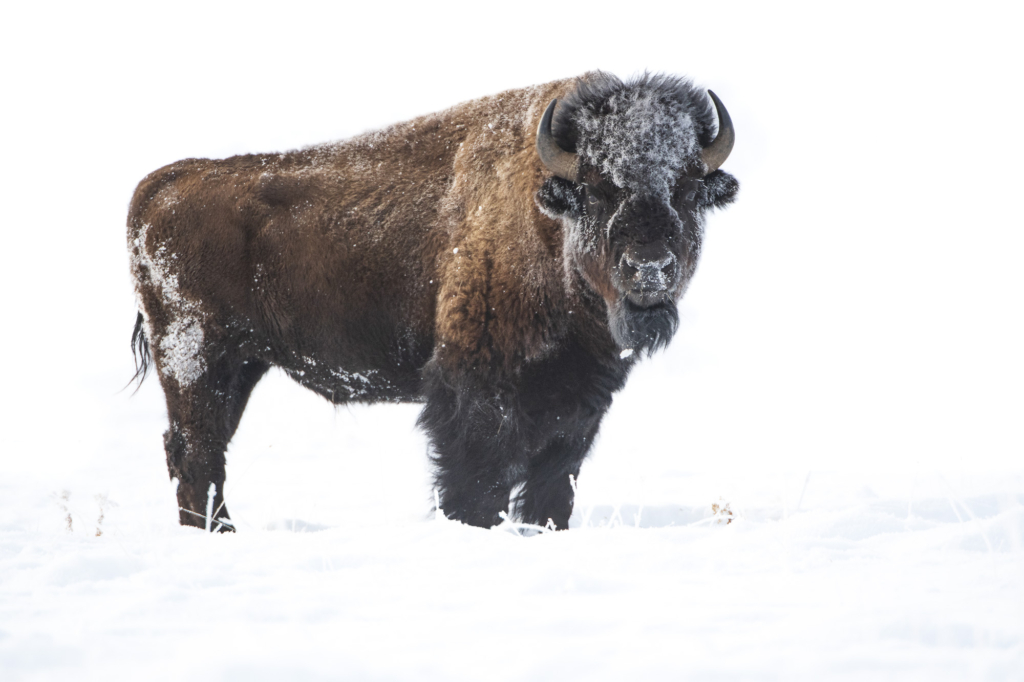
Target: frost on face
x=641 y=139
x=181 y=345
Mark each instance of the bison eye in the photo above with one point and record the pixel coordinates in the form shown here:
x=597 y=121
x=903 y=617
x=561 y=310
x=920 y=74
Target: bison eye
x=686 y=191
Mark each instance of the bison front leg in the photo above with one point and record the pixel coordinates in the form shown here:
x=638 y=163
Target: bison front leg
x=478 y=451
x=549 y=493
x=204 y=414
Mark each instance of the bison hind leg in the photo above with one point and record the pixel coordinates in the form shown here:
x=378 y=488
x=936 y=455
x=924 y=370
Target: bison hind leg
x=204 y=416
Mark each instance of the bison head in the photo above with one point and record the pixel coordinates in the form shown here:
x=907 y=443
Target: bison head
x=635 y=170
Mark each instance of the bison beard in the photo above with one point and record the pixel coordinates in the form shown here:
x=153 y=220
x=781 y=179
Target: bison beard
x=505 y=262
x=642 y=329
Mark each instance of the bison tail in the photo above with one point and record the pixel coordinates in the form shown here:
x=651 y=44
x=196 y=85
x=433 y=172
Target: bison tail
x=140 y=353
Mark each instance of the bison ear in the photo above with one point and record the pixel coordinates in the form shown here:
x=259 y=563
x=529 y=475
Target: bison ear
x=720 y=189
x=559 y=198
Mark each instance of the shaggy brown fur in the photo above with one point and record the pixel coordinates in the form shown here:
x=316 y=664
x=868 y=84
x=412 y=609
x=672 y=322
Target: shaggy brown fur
x=382 y=268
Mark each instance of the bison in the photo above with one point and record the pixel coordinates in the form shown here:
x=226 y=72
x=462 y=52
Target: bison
x=505 y=262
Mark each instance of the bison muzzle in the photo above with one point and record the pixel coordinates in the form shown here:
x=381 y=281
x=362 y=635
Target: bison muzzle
x=505 y=262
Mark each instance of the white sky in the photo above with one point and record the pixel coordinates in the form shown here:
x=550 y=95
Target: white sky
x=860 y=307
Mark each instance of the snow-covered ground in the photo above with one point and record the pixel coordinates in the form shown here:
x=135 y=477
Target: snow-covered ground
x=845 y=388
x=338 y=572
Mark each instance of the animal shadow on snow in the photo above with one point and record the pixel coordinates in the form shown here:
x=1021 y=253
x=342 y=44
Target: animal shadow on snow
x=657 y=516
x=295 y=526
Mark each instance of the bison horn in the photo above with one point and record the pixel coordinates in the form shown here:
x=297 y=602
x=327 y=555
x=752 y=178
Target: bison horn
x=560 y=162
x=715 y=154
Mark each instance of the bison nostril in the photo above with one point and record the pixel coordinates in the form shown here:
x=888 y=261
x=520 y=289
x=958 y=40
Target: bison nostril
x=637 y=268
x=648 y=272
x=658 y=263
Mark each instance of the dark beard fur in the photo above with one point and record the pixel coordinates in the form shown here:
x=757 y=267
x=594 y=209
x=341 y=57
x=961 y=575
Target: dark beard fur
x=644 y=330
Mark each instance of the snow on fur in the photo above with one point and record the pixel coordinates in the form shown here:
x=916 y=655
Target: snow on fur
x=181 y=346
x=641 y=134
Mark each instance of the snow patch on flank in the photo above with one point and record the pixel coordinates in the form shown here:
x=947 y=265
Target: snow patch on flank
x=181 y=345
x=181 y=350
x=341 y=383
x=168 y=197
x=357 y=384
